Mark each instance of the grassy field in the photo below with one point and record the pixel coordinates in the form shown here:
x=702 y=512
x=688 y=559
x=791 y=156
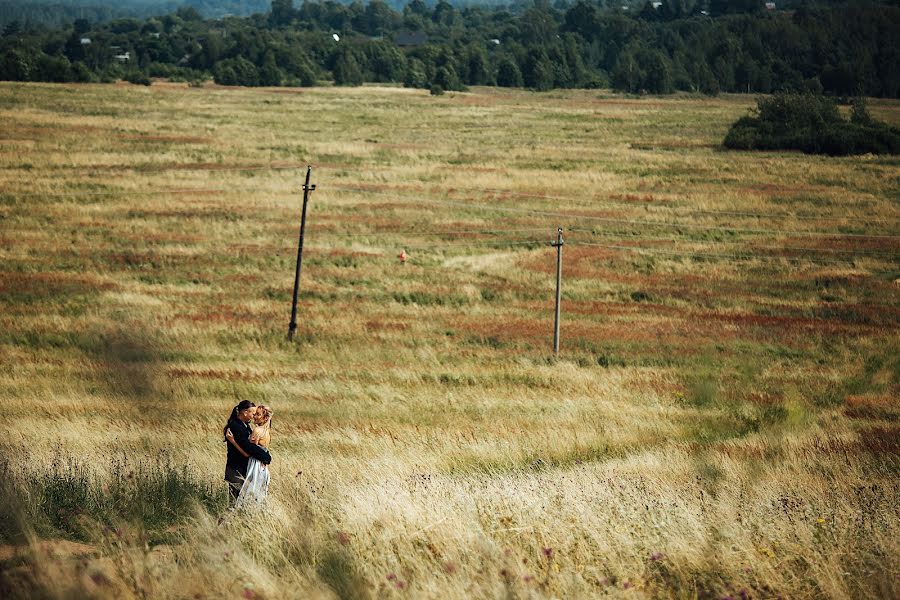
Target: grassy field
x=721 y=420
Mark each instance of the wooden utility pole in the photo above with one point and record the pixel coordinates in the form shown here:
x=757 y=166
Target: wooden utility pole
x=558 y=244
x=292 y=327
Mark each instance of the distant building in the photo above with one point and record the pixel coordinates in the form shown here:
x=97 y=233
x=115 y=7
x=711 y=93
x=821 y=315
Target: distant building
x=124 y=57
x=85 y=41
x=411 y=38
x=494 y=41
x=656 y=5
x=770 y=6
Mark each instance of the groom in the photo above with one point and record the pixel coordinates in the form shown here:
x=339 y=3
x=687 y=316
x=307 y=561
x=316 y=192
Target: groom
x=236 y=463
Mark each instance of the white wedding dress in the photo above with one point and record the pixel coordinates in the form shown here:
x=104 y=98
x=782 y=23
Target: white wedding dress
x=256 y=486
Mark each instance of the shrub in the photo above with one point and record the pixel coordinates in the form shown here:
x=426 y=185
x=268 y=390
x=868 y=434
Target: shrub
x=811 y=124
x=137 y=77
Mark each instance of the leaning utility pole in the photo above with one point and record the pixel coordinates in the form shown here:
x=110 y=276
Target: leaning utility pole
x=306 y=190
x=558 y=244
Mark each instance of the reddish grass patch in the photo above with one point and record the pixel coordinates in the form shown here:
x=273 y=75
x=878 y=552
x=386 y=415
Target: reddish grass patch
x=578 y=261
x=50 y=284
x=225 y=314
x=871 y=406
x=384 y=326
x=880 y=441
x=637 y=198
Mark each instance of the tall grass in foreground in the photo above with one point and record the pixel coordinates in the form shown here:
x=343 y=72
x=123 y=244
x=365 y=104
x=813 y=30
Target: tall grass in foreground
x=66 y=497
x=811 y=515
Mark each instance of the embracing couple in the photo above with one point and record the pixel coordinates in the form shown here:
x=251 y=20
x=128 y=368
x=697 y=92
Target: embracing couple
x=248 y=433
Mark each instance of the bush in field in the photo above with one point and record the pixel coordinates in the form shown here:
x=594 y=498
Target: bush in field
x=814 y=125
x=236 y=71
x=137 y=77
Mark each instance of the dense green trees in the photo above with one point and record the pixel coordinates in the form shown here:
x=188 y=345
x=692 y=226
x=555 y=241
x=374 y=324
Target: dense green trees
x=812 y=124
x=837 y=48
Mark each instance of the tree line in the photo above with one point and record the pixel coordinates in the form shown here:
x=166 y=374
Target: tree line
x=705 y=46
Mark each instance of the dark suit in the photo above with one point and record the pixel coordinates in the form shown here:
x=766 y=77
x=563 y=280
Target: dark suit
x=236 y=463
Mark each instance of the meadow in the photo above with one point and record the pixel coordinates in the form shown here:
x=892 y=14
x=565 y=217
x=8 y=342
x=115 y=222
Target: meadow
x=721 y=421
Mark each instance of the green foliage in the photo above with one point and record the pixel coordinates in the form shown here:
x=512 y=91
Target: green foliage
x=811 y=124
x=65 y=498
x=137 y=77
x=844 y=49
x=346 y=70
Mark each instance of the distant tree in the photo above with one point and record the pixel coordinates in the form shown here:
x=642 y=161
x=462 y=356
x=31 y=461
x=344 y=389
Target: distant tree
x=385 y=61
x=81 y=26
x=379 y=18
x=17 y=64
x=236 y=71
x=282 y=13
x=628 y=75
x=657 y=72
x=478 y=70
x=444 y=14
x=347 y=70
x=538 y=73
x=447 y=79
x=416 y=7
x=269 y=73
x=416 y=77
x=508 y=73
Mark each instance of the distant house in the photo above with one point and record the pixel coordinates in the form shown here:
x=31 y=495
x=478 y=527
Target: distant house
x=408 y=39
x=770 y=6
x=656 y=5
x=494 y=41
x=123 y=57
x=85 y=41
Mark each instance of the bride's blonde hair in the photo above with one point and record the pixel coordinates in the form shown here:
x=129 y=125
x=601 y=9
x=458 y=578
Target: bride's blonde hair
x=267 y=413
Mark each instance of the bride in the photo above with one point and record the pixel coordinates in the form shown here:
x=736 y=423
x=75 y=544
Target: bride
x=256 y=483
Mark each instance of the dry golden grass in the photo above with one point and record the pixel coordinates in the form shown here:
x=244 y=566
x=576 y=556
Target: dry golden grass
x=722 y=419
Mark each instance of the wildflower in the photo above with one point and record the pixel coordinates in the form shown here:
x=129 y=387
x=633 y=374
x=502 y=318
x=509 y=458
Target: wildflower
x=391 y=577
x=248 y=593
x=343 y=538
x=548 y=552
x=626 y=585
x=820 y=520
x=449 y=568
x=504 y=573
x=400 y=584
x=527 y=578
x=98 y=578
x=656 y=556
x=744 y=594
